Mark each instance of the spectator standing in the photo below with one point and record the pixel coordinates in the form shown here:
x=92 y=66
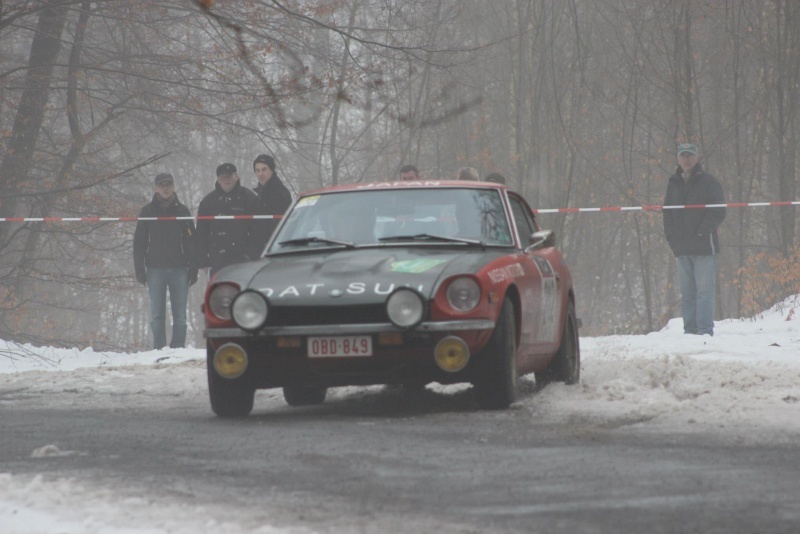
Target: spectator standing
x=409 y=173
x=468 y=174
x=273 y=199
x=496 y=178
x=164 y=259
x=222 y=242
x=692 y=236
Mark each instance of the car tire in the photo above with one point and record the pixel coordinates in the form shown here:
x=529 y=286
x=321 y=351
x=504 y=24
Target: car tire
x=566 y=364
x=304 y=395
x=496 y=383
x=229 y=398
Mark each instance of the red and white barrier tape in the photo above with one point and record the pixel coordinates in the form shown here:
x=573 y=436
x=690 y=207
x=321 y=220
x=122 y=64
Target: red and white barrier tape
x=537 y=211
x=134 y=219
x=659 y=208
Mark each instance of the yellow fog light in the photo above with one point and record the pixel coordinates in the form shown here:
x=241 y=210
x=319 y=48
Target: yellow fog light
x=230 y=360
x=452 y=354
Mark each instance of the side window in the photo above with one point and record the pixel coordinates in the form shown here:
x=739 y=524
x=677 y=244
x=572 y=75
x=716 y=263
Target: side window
x=522 y=219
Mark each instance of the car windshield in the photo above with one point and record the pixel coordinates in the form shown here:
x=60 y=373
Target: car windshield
x=390 y=216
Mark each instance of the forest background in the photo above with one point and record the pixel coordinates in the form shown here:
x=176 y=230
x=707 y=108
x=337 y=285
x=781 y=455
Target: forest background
x=579 y=103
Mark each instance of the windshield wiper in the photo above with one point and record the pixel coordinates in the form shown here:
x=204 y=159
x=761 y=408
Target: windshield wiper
x=306 y=240
x=432 y=237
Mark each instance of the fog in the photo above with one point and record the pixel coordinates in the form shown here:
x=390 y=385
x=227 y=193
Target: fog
x=578 y=103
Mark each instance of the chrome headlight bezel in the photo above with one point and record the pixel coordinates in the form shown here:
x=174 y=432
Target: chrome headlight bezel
x=220 y=300
x=405 y=308
x=249 y=310
x=463 y=294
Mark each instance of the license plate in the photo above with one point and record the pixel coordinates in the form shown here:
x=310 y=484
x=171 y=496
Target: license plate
x=339 y=346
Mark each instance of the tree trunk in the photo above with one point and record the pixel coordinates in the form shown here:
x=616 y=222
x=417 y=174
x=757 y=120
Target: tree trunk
x=18 y=159
x=787 y=66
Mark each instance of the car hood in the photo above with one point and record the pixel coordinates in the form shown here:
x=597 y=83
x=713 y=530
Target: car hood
x=355 y=276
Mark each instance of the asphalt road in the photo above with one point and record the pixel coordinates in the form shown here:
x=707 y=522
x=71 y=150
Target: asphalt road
x=384 y=461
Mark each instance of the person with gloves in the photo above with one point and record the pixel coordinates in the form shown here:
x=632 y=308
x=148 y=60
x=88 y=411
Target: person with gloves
x=164 y=258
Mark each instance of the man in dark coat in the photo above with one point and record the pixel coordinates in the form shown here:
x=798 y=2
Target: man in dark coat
x=692 y=236
x=273 y=199
x=164 y=259
x=222 y=242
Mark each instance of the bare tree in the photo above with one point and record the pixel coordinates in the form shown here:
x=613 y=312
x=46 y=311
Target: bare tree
x=578 y=102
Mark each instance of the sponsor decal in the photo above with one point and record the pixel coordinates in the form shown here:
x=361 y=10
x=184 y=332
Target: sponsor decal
x=307 y=201
x=508 y=272
x=544 y=267
x=394 y=185
x=551 y=303
x=353 y=288
x=414 y=266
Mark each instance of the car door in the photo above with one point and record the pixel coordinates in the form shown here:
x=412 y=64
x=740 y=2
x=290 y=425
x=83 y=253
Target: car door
x=542 y=296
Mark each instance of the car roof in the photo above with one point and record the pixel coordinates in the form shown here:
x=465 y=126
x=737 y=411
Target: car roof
x=413 y=184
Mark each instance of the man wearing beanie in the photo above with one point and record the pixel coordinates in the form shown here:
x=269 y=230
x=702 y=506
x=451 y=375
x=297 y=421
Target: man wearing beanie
x=273 y=199
x=223 y=242
x=164 y=259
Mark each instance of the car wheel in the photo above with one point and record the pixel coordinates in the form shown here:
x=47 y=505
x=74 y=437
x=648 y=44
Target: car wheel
x=496 y=383
x=566 y=364
x=304 y=395
x=229 y=398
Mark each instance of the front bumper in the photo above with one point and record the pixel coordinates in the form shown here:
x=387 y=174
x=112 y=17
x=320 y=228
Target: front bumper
x=272 y=365
x=351 y=329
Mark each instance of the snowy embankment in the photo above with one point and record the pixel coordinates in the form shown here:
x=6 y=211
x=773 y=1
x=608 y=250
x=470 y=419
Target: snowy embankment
x=742 y=385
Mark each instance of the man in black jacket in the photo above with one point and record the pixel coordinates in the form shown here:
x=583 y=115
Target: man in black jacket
x=222 y=242
x=692 y=236
x=164 y=258
x=273 y=199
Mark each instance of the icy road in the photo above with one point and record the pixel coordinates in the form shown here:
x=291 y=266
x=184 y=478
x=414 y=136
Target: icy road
x=666 y=433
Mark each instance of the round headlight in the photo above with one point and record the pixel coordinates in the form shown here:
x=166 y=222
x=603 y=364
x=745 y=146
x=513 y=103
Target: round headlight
x=405 y=308
x=249 y=310
x=464 y=294
x=220 y=300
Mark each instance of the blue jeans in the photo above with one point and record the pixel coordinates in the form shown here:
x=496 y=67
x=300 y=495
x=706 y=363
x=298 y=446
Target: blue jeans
x=176 y=279
x=698 y=276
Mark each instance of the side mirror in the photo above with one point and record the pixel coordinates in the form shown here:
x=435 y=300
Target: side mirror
x=542 y=239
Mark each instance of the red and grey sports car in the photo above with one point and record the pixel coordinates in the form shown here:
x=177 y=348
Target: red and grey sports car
x=394 y=283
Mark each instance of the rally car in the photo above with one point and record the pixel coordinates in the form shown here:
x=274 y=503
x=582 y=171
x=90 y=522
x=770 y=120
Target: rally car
x=402 y=283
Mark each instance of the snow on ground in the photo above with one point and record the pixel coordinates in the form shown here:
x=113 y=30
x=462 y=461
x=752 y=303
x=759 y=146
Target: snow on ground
x=743 y=384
